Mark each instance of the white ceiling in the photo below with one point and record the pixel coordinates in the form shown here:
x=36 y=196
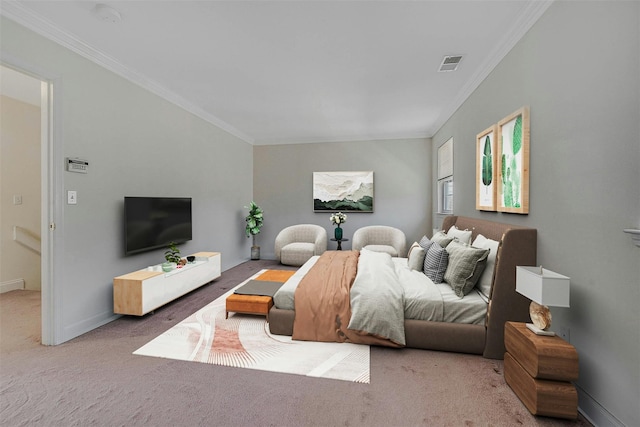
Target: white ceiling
x=296 y=71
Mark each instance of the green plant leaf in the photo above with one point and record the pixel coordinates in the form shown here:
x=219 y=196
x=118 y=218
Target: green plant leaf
x=517 y=135
x=487 y=163
x=254 y=220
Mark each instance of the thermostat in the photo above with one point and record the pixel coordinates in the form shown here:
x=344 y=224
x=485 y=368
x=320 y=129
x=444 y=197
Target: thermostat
x=77 y=165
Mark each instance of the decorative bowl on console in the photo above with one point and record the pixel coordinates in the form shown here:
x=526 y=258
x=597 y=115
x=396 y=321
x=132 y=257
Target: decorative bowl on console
x=168 y=266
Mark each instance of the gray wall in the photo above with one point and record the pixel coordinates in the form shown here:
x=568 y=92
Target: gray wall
x=578 y=70
x=283 y=178
x=136 y=144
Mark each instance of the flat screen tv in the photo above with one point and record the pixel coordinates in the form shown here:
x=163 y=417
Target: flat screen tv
x=154 y=222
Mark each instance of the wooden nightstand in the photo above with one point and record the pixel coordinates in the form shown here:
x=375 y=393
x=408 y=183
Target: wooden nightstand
x=539 y=369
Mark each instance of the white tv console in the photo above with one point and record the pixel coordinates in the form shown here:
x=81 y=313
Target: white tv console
x=143 y=291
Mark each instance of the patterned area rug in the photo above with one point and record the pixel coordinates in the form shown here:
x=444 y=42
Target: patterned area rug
x=244 y=341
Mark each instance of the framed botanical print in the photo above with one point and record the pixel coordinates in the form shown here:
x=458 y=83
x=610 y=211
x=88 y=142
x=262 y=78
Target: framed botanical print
x=513 y=163
x=486 y=169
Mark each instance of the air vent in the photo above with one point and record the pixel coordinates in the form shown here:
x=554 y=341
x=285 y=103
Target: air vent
x=450 y=63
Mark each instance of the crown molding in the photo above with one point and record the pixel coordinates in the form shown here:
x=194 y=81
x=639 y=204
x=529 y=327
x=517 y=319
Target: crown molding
x=520 y=27
x=353 y=138
x=17 y=12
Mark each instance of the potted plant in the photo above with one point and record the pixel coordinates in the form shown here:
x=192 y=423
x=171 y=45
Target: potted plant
x=254 y=224
x=172 y=257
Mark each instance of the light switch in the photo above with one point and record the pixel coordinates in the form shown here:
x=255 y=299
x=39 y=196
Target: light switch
x=17 y=199
x=72 y=197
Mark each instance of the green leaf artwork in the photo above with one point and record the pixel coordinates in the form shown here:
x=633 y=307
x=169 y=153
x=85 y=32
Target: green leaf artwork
x=487 y=165
x=517 y=136
x=515 y=184
x=507 y=189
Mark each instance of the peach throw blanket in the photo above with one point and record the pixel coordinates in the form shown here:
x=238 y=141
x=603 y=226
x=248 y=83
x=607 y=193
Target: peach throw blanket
x=322 y=302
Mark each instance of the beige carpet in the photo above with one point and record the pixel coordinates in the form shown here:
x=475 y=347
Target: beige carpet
x=244 y=341
x=20 y=319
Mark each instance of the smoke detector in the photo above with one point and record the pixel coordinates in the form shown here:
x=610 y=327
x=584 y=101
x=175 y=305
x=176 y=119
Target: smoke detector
x=450 y=63
x=107 y=14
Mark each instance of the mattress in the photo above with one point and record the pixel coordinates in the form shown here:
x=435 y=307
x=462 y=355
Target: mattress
x=423 y=299
x=283 y=298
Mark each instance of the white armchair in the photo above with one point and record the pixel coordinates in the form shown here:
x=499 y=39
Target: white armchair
x=381 y=238
x=297 y=243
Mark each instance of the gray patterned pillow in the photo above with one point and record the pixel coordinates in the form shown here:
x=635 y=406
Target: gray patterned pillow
x=435 y=263
x=425 y=243
x=442 y=239
x=466 y=264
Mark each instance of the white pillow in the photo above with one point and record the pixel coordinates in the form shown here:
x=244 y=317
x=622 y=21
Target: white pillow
x=416 y=257
x=484 y=284
x=462 y=235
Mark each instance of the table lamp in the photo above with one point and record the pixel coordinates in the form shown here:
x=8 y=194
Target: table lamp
x=544 y=288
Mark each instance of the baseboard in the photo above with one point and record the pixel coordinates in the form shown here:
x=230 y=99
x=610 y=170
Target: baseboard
x=594 y=412
x=84 y=326
x=11 y=285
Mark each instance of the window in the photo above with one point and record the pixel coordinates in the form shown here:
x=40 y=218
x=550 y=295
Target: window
x=445 y=177
x=445 y=195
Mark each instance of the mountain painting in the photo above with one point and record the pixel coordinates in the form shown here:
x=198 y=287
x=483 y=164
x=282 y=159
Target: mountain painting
x=343 y=191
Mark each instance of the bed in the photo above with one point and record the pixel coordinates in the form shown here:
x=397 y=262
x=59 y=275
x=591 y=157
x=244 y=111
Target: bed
x=476 y=326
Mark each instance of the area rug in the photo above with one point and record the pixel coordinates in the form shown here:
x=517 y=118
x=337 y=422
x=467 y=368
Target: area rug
x=244 y=341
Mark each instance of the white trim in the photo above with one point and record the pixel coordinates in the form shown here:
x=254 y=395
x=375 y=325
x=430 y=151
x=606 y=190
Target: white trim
x=595 y=413
x=319 y=140
x=11 y=285
x=532 y=13
x=22 y=15
x=52 y=244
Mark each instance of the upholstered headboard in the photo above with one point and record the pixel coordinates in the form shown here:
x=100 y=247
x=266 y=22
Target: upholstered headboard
x=518 y=246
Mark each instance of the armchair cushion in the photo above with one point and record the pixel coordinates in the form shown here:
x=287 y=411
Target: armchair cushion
x=382 y=248
x=381 y=238
x=297 y=243
x=296 y=253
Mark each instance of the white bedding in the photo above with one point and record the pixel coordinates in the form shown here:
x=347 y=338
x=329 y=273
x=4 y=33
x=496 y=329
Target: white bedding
x=422 y=300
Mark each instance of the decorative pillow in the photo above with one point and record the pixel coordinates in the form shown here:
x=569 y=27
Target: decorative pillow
x=442 y=239
x=425 y=243
x=484 y=284
x=463 y=235
x=435 y=263
x=466 y=264
x=416 y=257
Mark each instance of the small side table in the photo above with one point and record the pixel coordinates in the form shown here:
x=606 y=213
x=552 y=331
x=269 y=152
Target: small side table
x=539 y=369
x=339 y=243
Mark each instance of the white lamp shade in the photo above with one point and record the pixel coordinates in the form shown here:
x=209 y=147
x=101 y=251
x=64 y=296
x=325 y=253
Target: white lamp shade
x=543 y=286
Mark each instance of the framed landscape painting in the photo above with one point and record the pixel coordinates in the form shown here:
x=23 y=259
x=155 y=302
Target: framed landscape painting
x=486 y=169
x=513 y=159
x=343 y=191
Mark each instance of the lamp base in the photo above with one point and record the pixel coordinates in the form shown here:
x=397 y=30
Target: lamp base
x=533 y=328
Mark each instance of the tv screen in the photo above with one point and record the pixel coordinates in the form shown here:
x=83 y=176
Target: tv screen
x=155 y=222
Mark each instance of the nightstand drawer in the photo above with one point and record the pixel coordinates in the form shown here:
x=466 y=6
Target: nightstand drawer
x=543 y=357
x=541 y=397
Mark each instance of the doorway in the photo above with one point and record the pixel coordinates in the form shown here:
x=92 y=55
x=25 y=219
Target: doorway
x=26 y=193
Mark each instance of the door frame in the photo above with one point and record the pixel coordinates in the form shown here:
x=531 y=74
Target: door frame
x=52 y=185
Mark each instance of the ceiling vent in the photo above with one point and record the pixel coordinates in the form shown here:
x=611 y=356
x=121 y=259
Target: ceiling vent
x=450 y=63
